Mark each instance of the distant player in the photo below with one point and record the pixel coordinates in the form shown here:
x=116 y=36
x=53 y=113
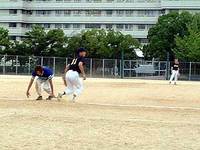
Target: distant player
x=44 y=81
x=73 y=83
x=175 y=71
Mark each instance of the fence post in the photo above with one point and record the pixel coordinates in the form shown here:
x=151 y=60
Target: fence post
x=130 y=64
x=16 y=62
x=41 y=61
x=116 y=69
x=4 y=64
x=90 y=67
x=190 y=71
x=137 y=64
x=103 y=68
x=29 y=65
x=54 y=65
x=159 y=68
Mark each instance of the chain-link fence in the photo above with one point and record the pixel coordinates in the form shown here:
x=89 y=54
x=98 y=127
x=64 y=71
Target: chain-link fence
x=103 y=68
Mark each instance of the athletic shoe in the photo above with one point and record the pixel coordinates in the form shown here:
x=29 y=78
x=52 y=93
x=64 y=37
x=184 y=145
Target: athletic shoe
x=175 y=83
x=49 y=98
x=74 y=98
x=39 y=98
x=59 y=97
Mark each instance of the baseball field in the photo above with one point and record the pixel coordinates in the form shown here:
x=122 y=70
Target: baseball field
x=111 y=114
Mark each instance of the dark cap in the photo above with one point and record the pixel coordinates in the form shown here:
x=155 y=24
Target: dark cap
x=81 y=50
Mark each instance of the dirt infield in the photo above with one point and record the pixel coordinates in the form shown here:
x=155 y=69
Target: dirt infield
x=109 y=115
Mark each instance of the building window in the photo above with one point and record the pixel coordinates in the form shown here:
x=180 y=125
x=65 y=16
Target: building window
x=149 y=26
x=13 y=11
x=58 y=25
x=12 y=25
x=59 y=12
x=120 y=26
x=109 y=13
x=141 y=13
x=66 y=26
x=129 y=13
x=141 y=27
x=43 y=12
x=120 y=13
x=76 y=26
x=77 y=13
x=47 y=25
x=27 y=12
x=92 y=26
x=67 y=12
x=128 y=27
x=108 y=26
x=143 y=41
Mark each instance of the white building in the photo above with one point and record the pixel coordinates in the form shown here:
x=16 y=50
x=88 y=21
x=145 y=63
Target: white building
x=133 y=17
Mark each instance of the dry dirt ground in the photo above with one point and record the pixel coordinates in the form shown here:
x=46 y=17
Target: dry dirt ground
x=111 y=114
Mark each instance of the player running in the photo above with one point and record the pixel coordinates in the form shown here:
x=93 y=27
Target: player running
x=73 y=83
x=44 y=81
x=175 y=72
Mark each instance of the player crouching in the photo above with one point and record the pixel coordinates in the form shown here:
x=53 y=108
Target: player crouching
x=73 y=83
x=44 y=81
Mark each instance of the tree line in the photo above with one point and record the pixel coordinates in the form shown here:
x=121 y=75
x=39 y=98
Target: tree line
x=98 y=42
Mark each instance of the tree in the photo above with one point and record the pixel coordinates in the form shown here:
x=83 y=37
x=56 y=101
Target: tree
x=56 y=41
x=36 y=40
x=162 y=35
x=4 y=41
x=41 y=43
x=188 y=47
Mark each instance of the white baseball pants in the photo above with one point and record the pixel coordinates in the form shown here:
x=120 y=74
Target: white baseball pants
x=74 y=83
x=42 y=84
x=174 y=75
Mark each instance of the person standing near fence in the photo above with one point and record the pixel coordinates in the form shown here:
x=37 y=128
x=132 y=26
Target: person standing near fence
x=44 y=81
x=73 y=83
x=175 y=72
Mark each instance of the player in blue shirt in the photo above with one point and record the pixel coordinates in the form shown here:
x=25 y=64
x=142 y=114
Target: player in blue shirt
x=44 y=81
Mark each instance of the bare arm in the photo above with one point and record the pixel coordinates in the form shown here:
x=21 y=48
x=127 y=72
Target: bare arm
x=52 y=88
x=82 y=70
x=29 y=87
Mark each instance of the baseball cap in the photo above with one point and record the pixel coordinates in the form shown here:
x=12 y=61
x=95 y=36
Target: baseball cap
x=81 y=50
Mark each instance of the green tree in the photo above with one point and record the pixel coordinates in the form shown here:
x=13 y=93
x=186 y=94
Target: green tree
x=162 y=35
x=4 y=41
x=56 y=41
x=188 y=47
x=36 y=40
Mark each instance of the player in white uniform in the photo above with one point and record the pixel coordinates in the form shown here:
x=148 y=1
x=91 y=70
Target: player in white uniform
x=175 y=72
x=73 y=83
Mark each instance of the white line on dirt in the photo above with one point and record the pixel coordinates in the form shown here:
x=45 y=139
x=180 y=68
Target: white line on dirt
x=146 y=106
x=120 y=105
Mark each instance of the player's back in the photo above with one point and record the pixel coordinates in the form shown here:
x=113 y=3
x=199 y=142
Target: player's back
x=74 y=65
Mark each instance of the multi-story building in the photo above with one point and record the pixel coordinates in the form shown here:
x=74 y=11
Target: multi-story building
x=133 y=17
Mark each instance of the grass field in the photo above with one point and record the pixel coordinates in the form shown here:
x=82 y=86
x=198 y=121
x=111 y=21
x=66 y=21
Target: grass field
x=109 y=115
